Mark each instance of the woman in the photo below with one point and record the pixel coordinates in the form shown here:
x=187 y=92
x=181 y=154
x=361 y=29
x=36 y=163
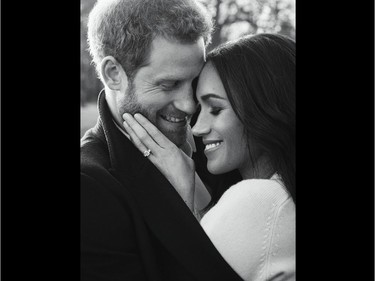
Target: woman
x=246 y=94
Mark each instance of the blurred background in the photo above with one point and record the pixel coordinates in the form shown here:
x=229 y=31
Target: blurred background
x=233 y=18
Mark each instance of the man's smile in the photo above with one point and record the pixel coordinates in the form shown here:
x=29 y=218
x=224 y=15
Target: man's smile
x=174 y=119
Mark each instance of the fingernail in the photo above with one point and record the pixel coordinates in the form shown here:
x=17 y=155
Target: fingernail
x=126 y=115
x=138 y=115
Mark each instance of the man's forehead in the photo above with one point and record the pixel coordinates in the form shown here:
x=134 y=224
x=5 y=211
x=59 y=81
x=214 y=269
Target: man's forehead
x=169 y=76
x=174 y=60
x=167 y=50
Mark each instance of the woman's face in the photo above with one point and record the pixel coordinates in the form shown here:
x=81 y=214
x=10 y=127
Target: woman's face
x=217 y=124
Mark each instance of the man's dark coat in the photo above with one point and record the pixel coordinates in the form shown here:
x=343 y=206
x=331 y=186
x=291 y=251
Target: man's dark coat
x=134 y=225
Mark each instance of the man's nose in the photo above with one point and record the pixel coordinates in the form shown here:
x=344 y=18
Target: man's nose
x=185 y=101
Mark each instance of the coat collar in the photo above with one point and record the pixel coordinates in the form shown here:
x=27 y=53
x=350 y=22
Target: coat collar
x=165 y=213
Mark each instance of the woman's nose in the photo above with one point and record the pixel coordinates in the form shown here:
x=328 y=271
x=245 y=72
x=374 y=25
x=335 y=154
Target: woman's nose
x=201 y=127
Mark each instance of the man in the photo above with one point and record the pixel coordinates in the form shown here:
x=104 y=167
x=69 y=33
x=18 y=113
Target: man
x=134 y=225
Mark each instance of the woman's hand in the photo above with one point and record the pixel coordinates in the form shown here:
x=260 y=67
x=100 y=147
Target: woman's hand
x=174 y=164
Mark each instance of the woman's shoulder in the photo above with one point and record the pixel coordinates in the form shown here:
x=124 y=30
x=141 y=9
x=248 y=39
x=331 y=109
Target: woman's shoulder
x=252 y=198
x=252 y=190
x=252 y=218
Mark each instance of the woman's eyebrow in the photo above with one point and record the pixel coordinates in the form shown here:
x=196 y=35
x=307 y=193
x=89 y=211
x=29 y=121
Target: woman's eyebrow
x=210 y=95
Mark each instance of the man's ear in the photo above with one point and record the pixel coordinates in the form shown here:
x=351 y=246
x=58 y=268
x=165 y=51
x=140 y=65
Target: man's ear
x=113 y=74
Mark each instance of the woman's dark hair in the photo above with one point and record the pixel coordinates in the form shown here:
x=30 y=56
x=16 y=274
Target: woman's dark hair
x=258 y=74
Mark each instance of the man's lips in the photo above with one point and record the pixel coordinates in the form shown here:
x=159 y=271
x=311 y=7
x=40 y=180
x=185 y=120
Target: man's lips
x=174 y=119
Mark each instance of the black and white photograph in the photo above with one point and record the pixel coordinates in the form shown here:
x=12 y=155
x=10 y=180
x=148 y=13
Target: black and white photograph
x=156 y=140
x=188 y=140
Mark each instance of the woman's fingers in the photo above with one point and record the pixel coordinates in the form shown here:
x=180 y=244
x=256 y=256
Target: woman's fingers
x=140 y=135
x=154 y=132
x=137 y=142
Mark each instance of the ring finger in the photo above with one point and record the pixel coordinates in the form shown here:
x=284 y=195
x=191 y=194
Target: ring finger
x=137 y=142
x=139 y=135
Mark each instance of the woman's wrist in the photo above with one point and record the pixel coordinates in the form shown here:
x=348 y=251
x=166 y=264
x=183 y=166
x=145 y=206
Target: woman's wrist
x=197 y=214
x=189 y=199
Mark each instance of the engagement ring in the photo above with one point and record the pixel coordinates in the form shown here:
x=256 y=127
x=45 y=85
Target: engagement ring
x=147 y=153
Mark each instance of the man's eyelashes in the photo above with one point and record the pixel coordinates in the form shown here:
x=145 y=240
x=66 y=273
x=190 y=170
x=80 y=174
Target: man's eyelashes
x=167 y=86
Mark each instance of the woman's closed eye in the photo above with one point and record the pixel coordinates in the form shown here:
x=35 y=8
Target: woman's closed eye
x=215 y=110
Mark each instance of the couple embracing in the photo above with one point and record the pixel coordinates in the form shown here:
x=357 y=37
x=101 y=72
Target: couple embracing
x=145 y=212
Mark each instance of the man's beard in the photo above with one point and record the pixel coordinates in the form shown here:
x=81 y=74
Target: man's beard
x=129 y=104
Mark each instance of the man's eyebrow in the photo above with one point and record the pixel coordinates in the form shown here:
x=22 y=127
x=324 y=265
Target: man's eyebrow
x=212 y=96
x=167 y=78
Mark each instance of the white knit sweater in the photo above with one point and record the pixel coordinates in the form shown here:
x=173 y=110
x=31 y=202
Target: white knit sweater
x=253 y=227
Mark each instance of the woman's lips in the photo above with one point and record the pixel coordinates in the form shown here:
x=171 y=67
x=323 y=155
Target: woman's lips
x=212 y=145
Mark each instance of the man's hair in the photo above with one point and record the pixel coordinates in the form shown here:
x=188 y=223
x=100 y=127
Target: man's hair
x=125 y=29
x=258 y=74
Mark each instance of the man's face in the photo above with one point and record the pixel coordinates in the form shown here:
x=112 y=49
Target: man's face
x=162 y=90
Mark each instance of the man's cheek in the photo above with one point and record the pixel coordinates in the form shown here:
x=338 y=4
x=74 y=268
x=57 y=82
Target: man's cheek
x=153 y=102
